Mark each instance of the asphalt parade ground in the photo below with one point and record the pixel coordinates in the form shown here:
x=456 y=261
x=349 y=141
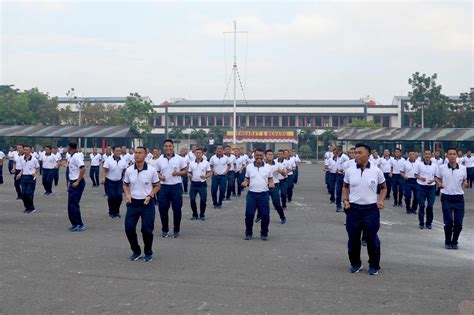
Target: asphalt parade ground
x=211 y=269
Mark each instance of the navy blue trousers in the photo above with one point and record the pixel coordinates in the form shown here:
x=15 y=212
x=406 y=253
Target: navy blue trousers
x=426 y=193
x=73 y=202
x=218 y=182
x=453 y=215
x=114 y=192
x=170 y=195
x=136 y=210
x=198 y=188
x=257 y=202
x=28 y=185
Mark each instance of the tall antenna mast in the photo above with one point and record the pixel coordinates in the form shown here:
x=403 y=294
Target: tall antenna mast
x=234 y=71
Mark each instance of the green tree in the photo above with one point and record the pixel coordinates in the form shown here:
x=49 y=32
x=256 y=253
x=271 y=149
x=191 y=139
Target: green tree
x=427 y=94
x=306 y=134
x=176 y=133
x=200 y=135
x=14 y=109
x=136 y=113
x=328 y=136
x=463 y=111
x=305 y=150
x=217 y=133
x=98 y=114
x=360 y=123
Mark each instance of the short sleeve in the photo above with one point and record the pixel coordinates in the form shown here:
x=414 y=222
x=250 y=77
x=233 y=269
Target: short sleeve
x=182 y=164
x=247 y=172
x=155 y=179
x=190 y=168
x=37 y=163
x=208 y=168
x=210 y=162
x=347 y=177
x=126 y=178
x=270 y=173
x=464 y=174
x=106 y=164
x=380 y=177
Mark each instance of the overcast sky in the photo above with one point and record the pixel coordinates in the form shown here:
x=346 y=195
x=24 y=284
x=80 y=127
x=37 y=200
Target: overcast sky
x=294 y=50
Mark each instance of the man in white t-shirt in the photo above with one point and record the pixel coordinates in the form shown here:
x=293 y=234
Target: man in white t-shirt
x=114 y=168
x=220 y=166
x=49 y=161
x=76 y=187
x=363 y=209
x=407 y=170
x=230 y=187
x=95 y=158
x=29 y=167
x=141 y=183
x=425 y=173
x=451 y=178
x=199 y=171
x=259 y=179
x=171 y=167
x=468 y=162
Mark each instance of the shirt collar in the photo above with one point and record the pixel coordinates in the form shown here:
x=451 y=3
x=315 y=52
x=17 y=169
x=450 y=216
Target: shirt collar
x=454 y=168
x=172 y=156
x=427 y=163
x=359 y=166
x=145 y=167
x=255 y=164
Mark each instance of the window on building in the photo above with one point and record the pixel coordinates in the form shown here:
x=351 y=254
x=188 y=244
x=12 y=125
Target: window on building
x=276 y=121
x=259 y=121
x=386 y=121
x=158 y=120
x=343 y=121
x=227 y=119
x=335 y=121
x=268 y=121
x=292 y=120
x=219 y=120
x=195 y=121
x=251 y=120
x=187 y=120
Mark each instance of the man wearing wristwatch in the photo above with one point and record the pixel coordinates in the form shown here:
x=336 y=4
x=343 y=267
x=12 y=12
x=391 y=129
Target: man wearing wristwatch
x=140 y=184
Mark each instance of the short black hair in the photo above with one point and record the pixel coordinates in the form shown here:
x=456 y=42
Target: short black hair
x=452 y=148
x=20 y=145
x=72 y=145
x=363 y=145
x=140 y=147
x=27 y=146
x=269 y=150
x=397 y=149
x=409 y=151
x=47 y=147
x=353 y=148
x=115 y=147
x=426 y=150
x=227 y=146
x=168 y=140
x=258 y=150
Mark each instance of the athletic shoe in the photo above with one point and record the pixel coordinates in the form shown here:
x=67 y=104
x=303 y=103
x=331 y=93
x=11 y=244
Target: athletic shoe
x=258 y=220
x=72 y=228
x=454 y=246
x=264 y=237
x=110 y=216
x=135 y=257
x=429 y=227
x=203 y=218
x=176 y=234
x=356 y=269
x=147 y=258
x=339 y=209
x=448 y=246
x=373 y=271
x=421 y=226
x=215 y=206
x=194 y=218
x=80 y=228
x=219 y=207
x=248 y=237
x=164 y=234
x=283 y=221
x=32 y=211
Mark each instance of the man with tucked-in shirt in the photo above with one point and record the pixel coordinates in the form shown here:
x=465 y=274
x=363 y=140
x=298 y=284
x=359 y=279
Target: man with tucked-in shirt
x=199 y=171
x=114 y=167
x=220 y=166
x=29 y=167
x=425 y=173
x=363 y=208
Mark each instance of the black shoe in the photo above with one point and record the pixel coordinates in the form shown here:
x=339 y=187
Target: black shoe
x=332 y=202
x=248 y=237
x=164 y=234
x=421 y=226
x=448 y=246
x=429 y=227
x=176 y=234
x=202 y=218
x=215 y=206
x=194 y=218
x=227 y=199
x=219 y=207
x=408 y=212
x=264 y=237
x=395 y=204
x=454 y=246
x=339 y=209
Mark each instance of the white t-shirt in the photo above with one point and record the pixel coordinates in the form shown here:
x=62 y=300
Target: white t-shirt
x=191 y=156
x=349 y=164
x=29 y=166
x=141 y=182
x=452 y=179
x=258 y=177
x=331 y=165
x=408 y=168
x=276 y=167
x=397 y=165
x=115 y=168
x=219 y=164
x=284 y=164
x=438 y=162
x=231 y=159
x=166 y=167
x=468 y=161
x=49 y=161
x=11 y=154
x=363 y=184
x=291 y=165
x=2 y=155
x=76 y=162
x=427 y=171
x=198 y=169
x=386 y=164
x=95 y=159
x=17 y=158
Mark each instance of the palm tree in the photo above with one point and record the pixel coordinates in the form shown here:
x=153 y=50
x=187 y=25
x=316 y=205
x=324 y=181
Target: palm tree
x=329 y=136
x=306 y=134
x=200 y=135
x=217 y=134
